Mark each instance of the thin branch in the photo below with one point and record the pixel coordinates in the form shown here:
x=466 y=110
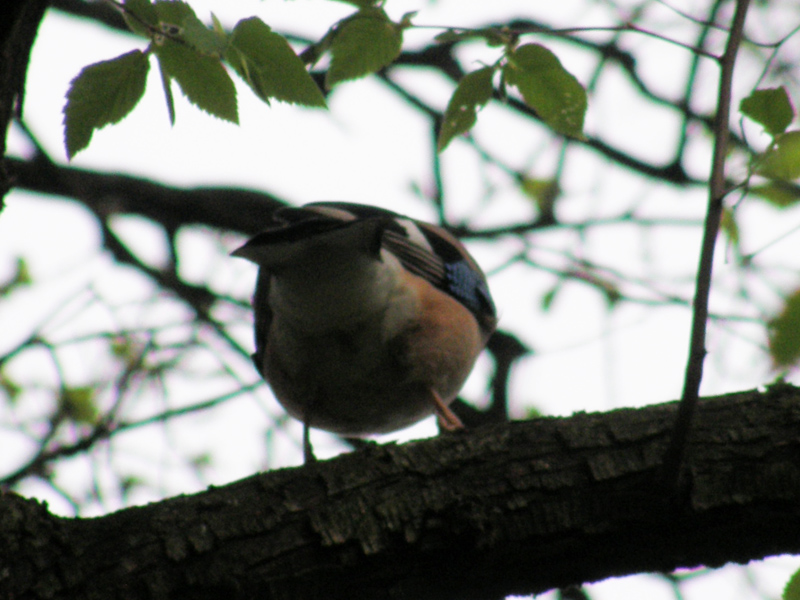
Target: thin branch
x=691 y=78
x=718 y=188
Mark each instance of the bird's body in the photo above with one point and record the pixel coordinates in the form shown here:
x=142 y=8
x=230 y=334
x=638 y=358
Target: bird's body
x=366 y=321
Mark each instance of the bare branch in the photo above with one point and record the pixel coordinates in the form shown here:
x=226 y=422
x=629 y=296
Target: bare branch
x=717 y=191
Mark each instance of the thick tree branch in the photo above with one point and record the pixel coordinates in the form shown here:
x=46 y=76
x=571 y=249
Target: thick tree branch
x=18 y=29
x=508 y=509
x=226 y=208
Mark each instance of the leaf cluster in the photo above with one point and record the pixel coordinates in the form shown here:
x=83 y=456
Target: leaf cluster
x=195 y=56
x=198 y=58
x=772 y=109
x=779 y=164
x=543 y=82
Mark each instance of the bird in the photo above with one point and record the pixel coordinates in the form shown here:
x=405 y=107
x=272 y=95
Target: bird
x=366 y=321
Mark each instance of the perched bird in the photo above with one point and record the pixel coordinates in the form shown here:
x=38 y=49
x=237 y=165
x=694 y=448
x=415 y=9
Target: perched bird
x=366 y=321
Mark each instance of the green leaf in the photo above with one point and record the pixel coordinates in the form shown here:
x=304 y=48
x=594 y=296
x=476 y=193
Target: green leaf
x=101 y=94
x=473 y=91
x=549 y=296
x=792 y=589
x=531 y=412
x=778 y=193
x=770 y=108
x=364 y=43
x=173 y=17
x=78 y=404
x=784 y=333
x=782 y=160
x=266 y=61
x=177 y=19
x=202 y=79
x=20 y=278
x=203 y=39
x=730 y=228
x=125 y=349
x=129 y=482
x=10 y=387
x=218 y=28
x=141 y=17
x=544 y=192
x=548 y=88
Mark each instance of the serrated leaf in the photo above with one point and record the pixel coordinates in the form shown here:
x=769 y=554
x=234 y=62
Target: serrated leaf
x=782 y=160
x=172 y=18
x=202 y=79
x=78 y=404
x=178 y=19
x=364 y=43
x=778 y=193
x=784 y=333
x=173 y=15
x=103 y=93
x=141 y=17
x=792 y=589
x=770 y=108
x=473 y=91
x=205 y=40
x=266 y=61
x=547 y=87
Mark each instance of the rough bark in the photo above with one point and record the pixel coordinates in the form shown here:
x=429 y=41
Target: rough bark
x=18 y=27
x=507 y=509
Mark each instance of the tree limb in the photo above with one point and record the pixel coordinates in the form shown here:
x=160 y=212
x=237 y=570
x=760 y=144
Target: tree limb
x=507 y=509
x=226 y=208
x=18 y=29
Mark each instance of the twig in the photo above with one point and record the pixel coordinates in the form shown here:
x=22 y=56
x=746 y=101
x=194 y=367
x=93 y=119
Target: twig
x=673 y=459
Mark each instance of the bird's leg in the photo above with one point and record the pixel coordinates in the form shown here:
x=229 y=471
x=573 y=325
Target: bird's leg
x=447 y=418
x=308 y=451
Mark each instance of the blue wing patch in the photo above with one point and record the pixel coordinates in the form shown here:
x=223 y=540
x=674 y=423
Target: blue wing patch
x=468 y=287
